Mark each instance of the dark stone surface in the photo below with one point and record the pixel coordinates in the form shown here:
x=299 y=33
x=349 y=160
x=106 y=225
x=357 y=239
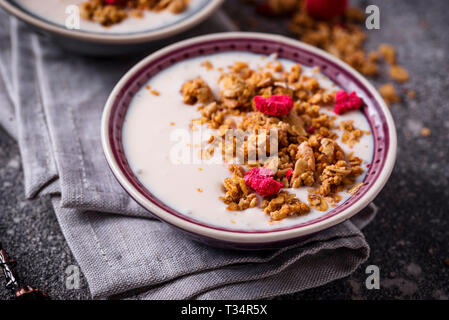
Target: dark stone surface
x=408 y=239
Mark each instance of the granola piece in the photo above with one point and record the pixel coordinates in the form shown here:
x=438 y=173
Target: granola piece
x=411 y=94
x=373 y=56
x=296 y=124
x=388 y=92
x=282 y=6
x=327 y=152
x=242 y=69
x=425 y=132
x=317 y=202
x=337 y=175
x=276 y=66
x=355 y=15
x=111 y=12
x=136 y=13
x=295 y=73
x=354 y=161
x=388 y=52
x=207 y=64
x=209 y=110
x=87 y=9
x=284 y=204
x=237 y=170
x=353 y=190
x=316 y=99
x=236 y=92
x=214 y=116
x=108 y=15
x=177 y=6
x=196 y=90
x=328 y=149
x=237 y=196
x=333 y=199
x=369 y=68
x=311 y=84
x=325 y=98
x=399 y=74
x=303 y=173
x=351 y=135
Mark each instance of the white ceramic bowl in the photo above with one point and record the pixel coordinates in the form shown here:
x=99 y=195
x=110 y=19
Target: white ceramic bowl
x=96 y=43
x=375 y=110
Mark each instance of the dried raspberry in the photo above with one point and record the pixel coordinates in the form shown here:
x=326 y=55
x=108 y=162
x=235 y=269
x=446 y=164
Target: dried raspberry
x=274 y=105
x=311 y=130
x=326 y=9
x=261 y=180
x=115 y=2
x=265 y=9
x=346 y=102
x=289 y=173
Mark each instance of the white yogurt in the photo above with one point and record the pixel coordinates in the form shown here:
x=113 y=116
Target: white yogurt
x=151 y=120
x=55 y=11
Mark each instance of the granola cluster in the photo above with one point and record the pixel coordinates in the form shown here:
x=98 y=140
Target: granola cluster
x=237 y=196
x=110 y=12
x=351 y=135
x=307 y=150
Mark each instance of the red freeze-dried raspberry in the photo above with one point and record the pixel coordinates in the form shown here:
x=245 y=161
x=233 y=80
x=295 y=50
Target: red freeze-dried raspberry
x=261 y=180
x=274 y=105
x=114 y=2
x=326 y=9
x=311 y=130
x=265 y=9
x=346 y=102
x=289 y=173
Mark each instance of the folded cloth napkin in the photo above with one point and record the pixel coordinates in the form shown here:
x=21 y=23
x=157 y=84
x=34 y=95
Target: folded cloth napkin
x=51 y=102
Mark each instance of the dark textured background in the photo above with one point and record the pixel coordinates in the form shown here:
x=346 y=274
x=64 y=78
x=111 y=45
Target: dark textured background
x=409 y=237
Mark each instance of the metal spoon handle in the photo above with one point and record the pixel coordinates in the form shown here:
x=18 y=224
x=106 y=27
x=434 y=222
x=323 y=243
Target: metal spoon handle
x=22 y=292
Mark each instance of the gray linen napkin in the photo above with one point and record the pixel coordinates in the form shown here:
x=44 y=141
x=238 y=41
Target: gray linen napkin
x=51 y=101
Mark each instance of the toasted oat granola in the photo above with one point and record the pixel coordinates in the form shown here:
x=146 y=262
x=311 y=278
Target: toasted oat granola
x=108 y=13
x=388 y=92
x=399 y=74
x=308 y=153
x=388 y=52
x=195 y=91
x=425 y=132
x=351 y=135
x=284 y=204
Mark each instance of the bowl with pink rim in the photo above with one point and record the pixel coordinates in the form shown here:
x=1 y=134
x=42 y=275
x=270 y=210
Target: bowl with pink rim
x=117 y=120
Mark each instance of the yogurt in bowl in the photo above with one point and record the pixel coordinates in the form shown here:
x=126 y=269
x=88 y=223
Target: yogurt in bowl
x=192 y=186
x=157 y=153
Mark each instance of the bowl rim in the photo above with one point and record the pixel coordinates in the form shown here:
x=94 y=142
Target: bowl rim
x=105 y=38
x=235 y=236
